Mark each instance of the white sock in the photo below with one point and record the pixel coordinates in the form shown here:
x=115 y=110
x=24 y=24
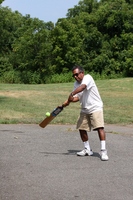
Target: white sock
x=87 y=145
x=103 y=145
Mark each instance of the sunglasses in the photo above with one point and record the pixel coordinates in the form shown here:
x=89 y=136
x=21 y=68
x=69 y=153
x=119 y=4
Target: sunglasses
x=76 y=74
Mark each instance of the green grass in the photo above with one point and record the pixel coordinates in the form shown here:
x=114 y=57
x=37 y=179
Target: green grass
x=21 y=103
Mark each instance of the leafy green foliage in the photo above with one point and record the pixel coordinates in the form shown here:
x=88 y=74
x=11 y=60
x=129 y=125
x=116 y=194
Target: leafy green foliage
x=1 y=1
x=60 y=78
x=95 y=34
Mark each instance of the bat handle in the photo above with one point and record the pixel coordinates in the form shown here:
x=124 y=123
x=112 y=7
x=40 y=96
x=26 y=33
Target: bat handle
x=65 y=104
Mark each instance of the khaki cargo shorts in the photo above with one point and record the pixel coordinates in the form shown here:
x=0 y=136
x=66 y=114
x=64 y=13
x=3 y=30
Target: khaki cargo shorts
x=90 y=121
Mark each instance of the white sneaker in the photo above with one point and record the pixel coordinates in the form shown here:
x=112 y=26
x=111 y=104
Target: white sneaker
x=104 y=155
x=85 y=152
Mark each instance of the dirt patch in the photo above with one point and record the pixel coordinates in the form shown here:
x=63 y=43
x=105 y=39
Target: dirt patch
x=19 y=94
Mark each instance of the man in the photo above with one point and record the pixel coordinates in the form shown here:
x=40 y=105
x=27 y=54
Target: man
x=91 y=115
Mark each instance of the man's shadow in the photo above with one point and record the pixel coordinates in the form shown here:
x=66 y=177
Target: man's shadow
x=70 y=153
x=74 y=152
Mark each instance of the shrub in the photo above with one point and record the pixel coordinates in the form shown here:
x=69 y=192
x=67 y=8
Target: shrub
x=60 y=78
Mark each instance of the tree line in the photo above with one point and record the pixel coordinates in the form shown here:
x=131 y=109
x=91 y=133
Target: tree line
x=97 y=35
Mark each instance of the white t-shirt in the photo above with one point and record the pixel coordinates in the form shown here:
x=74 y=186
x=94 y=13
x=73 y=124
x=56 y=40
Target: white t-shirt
x=90 y=98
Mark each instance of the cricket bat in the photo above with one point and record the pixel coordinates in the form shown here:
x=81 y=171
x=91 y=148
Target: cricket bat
x=53 y=114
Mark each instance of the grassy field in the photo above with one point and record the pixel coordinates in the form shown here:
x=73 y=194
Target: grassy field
x=28 y=104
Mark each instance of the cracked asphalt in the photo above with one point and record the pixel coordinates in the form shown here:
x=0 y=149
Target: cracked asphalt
x=41 y=164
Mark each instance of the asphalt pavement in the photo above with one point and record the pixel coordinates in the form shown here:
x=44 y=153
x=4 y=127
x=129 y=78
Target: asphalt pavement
x=41 y=164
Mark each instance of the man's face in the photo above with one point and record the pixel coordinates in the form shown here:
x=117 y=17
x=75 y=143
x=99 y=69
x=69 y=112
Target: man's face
x=78 y=75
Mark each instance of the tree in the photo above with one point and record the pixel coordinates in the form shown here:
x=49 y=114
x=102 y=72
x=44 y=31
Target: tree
x=1 y=1
x=95 y=34
x=67 y=38
x=32 y=49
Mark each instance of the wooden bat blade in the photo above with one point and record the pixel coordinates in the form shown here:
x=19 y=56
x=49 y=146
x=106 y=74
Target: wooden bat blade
x=46 y=121
x=53 y=114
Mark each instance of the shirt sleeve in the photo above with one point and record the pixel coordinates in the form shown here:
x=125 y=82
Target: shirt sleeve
x=76 y=84
x=88 y=81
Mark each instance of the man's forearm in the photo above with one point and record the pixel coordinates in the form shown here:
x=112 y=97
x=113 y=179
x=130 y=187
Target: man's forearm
x=78 y=89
